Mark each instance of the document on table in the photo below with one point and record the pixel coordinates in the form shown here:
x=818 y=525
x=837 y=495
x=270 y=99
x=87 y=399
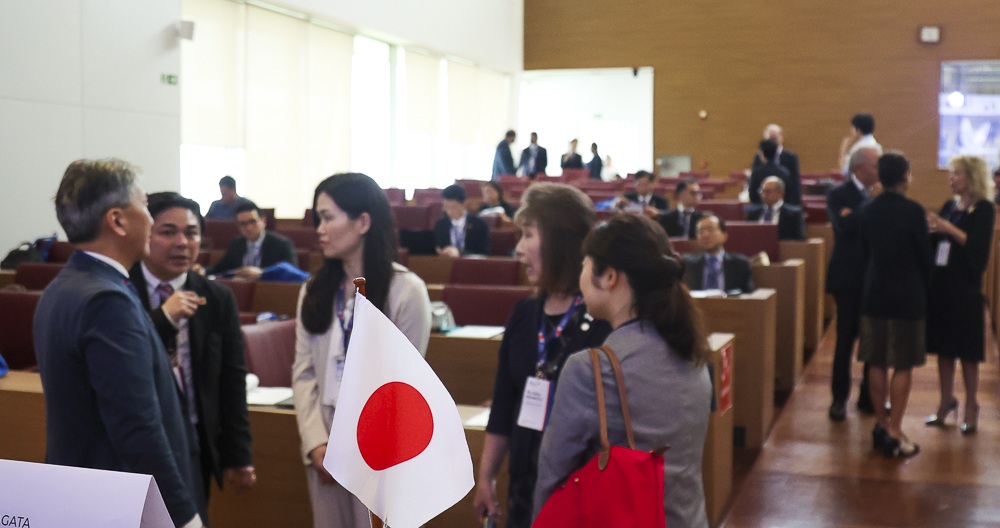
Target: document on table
x=476 y=331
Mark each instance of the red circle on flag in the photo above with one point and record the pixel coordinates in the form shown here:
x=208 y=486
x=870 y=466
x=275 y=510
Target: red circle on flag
x=395 y=425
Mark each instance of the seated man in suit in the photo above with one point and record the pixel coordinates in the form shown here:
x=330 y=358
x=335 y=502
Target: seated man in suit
x=643 y=198
x=457 y=232
x=715 y=269
x=256 y=249
x=199 y=325
x=683 y=221
x=769 y=151
x=774 y=210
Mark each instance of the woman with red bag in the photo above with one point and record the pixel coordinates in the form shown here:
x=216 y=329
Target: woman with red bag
x=632 y=279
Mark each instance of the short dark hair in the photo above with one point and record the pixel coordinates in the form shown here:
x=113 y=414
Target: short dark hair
x=161 y=201
x=510 y=134
x=644 y=175
x=88 y=190
x=496 y=187
x=682 y=185
x=718 y=220
x=865 y=123
x=892 y=168
x=769 y=148
x=453 y=192
x=228 y=181
x=248 y=205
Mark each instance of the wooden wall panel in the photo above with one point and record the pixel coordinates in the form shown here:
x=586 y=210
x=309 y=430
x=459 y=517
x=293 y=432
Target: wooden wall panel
x=806 y=65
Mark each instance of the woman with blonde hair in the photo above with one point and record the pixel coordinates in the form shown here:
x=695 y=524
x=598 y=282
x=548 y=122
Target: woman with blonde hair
x=961 y=235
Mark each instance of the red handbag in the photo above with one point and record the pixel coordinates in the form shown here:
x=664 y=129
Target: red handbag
x=620 y=486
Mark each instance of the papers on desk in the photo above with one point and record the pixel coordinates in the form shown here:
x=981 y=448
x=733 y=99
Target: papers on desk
x=268 y=395
x=476 y=331
x=708 y=294
x=478 y=420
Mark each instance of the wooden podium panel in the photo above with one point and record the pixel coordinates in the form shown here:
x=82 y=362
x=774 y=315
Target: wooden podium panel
x=22 y=413
x=813 y=252
x=751 y=318
x=717 y=459
x=824 y=231
x=466 y=366
x=788 y=280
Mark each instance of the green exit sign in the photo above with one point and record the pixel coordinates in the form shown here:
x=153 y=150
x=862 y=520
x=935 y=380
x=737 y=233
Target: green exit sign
x=168 y=78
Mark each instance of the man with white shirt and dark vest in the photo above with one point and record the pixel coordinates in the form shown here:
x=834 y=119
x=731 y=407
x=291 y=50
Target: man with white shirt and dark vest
x=683 y=221
x=534 y=159
x=774 y=210
x=457 y=232
x=198 y=323
x=717 y=269
x=258 y=248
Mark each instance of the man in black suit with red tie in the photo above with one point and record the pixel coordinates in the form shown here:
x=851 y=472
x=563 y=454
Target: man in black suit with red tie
x=683 y=221
x=845 y=276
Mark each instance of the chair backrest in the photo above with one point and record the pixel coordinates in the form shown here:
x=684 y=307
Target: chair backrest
x=395 y=196
x=242 y=290
x=816 y=214
x=428 y=196
x=750 y=238
x=269 y=349
x=483 y=305
x=496 y=270
x=267 y=213
x=36 y=275
x=503 y=241
x=685 y=246
x=411 y=217
x=60 y=251
x=728 y=210
x=17 y=312
x=220 y=233
x=301 y=237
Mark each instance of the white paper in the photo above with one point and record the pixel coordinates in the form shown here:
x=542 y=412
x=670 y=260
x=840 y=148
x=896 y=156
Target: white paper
x=268 y=395
x=943 y=249
x=534 y=404
x=477 y=331
x=479 y=420
x=50 y=495
x=707 y=294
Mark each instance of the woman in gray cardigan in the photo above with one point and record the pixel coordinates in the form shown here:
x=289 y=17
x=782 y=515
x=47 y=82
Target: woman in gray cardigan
x=632 y=279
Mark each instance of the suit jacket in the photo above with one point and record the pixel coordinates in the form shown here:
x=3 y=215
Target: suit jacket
x=790 y=161
x=898 y=257
x=575 y=161
x=541 y=161
x=655 y=200
x=218 y=369
x=595 y=166
x=791 y=222
x=503 y=161
x=671 y=223
x=793 y=192
x=735 y=272
x=847 y=265
x=477 y=235
x=275 y=249
x=111 y=401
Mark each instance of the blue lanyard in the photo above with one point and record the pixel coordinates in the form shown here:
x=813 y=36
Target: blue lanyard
x=459 y=236
x=345 y=326
x=543 y=338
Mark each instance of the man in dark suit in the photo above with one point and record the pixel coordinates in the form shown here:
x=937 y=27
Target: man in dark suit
x=503 y=161
x=256 y=249
x=768 y=150
x=774 y=210
x=534 y=159
x=845 y=275
x=787 y=159
x=683 y=221
x=643 y=198
x=110 y=395
x=198 y=322
x=717 y=269
x=572 y=160
x=457 y=232
x=595 y=165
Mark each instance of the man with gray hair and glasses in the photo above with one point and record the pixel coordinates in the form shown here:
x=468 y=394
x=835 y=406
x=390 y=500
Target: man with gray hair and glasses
x=111 y=398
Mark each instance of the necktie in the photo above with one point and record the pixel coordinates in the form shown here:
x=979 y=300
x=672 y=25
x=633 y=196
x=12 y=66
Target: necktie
x=686 y=222
x=768 y=215
x=161 y=293
x=712 y=273
x=252 y=258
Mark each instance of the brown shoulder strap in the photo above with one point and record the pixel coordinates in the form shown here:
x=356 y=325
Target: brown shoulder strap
x=622 y=396
x=602 y=417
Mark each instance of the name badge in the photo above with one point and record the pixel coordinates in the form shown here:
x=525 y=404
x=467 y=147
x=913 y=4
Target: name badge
x=535 y=404
x=943 y=249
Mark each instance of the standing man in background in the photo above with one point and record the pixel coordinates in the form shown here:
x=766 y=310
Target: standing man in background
x=862 y=135
x=595 y=165
x=225 y=208
x=199 y=325
x=572 y=160
x=534 y=159
x=503 y=161
x=110 y=395
x=787 y=159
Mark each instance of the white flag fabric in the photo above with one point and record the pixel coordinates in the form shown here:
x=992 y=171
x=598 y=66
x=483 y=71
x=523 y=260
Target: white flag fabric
x=397 y=441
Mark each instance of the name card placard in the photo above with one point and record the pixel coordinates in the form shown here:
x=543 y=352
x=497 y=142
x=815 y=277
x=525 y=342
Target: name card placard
x=49 y=496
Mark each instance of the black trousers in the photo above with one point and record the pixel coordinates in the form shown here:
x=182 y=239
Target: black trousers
x=848 y=322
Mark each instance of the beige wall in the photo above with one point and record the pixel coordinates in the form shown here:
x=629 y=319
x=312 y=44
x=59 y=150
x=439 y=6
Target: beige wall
x=806 y=65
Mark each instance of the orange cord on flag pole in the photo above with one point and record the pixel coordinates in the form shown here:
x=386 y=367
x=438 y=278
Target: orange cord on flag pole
x=359 y=283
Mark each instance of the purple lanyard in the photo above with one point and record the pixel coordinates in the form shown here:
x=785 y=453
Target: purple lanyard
x=345 y=326
x=556 y=333
x=459 y=235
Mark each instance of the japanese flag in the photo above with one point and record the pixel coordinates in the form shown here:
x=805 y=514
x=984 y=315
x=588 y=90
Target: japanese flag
x=397 y=441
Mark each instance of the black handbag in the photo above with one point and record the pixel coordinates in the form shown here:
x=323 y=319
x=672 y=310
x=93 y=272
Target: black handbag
x=25 y=252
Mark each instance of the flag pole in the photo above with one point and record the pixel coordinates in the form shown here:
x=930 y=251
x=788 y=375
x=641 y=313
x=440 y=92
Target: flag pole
x=359 y=283
x=373 y=519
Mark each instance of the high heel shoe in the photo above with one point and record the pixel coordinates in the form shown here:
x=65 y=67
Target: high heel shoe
x=969 y=427
x=938 y=420
x=900 y=447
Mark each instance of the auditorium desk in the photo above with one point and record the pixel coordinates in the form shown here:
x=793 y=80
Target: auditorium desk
x=717 y=459
x=466 y=366
x=814 y=252
x=788 y=279
x=751 y=318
